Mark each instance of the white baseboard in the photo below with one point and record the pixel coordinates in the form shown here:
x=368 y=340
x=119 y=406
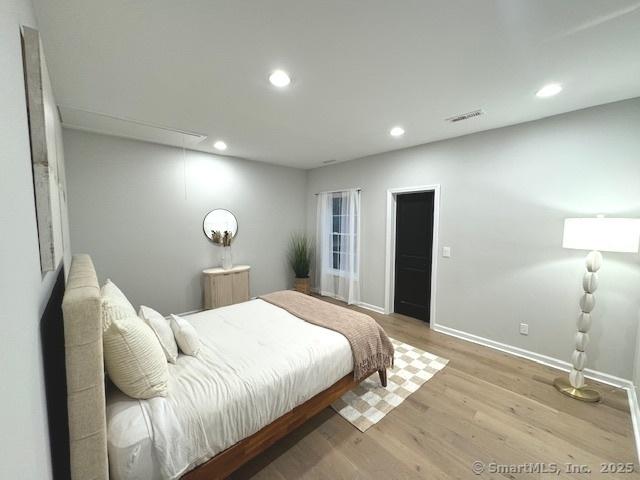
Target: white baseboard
x=634 y=408
x=368 y=306
x=536 y=357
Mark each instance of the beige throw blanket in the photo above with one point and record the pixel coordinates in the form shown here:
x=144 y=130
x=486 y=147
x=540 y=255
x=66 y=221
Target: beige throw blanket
x=372 y=350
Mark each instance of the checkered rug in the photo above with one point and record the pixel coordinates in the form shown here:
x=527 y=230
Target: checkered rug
x=369 y=402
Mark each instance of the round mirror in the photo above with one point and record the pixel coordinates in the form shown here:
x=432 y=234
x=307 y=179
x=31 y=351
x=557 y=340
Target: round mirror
x=220 y=226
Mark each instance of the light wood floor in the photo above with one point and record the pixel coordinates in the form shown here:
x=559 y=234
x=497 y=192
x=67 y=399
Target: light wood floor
x=484 y=406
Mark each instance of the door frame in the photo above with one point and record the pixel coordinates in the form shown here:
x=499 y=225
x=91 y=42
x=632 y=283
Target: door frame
x=390 y=257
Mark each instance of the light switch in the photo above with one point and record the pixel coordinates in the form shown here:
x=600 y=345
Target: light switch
x=446 y=252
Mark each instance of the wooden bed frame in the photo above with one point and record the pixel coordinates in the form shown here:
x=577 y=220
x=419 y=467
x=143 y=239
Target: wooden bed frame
x=87 y=401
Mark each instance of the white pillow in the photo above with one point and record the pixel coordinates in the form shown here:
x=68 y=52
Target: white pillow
x=118 y=306
x=186 y=335
x=133 y=356
x=162 y=329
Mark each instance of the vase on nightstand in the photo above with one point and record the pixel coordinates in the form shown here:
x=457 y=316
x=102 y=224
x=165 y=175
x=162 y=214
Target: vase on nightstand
x=226 y=258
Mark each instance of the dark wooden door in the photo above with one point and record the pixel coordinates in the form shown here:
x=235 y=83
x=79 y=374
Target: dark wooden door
x=414 y=242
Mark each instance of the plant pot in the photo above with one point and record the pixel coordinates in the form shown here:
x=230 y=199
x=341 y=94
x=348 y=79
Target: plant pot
x=302 y=285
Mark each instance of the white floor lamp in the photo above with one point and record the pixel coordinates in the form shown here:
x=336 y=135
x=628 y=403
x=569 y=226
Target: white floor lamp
x=594 y=234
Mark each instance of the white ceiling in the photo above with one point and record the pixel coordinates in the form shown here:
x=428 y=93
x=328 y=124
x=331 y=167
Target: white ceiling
x=357 y=67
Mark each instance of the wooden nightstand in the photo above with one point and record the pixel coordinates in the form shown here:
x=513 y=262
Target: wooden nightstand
x=225 y=287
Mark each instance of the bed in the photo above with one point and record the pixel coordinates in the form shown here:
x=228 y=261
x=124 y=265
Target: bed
x=226 y=406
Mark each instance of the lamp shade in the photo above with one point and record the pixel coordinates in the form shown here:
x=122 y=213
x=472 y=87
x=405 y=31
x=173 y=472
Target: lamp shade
x=604 y=234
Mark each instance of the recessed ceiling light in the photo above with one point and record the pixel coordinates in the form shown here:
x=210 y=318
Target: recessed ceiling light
x=279 y=78
x=396 y=131
x=549 y=90
x=220 y=145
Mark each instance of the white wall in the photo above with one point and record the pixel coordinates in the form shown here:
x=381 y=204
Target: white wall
x=504 y=196
x=128 y=209
x=24 y=443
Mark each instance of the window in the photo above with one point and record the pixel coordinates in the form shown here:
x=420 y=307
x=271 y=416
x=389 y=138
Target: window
x=337 y=245
x=342 y=234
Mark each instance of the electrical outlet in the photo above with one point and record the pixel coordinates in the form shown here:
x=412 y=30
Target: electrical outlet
x=524 y=329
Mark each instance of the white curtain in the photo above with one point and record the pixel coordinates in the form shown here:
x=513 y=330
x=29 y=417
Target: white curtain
x=338 y=245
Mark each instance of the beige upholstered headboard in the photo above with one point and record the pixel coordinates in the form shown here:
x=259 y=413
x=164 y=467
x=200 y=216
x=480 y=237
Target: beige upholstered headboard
x=85 y=372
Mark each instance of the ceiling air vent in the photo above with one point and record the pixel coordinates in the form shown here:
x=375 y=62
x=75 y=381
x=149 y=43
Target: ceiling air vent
x=465 y=116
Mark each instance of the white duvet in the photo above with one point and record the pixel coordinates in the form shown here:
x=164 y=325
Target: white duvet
x=257 y=363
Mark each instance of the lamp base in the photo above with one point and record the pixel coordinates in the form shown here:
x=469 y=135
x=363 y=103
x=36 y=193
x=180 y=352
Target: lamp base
x=584 y=394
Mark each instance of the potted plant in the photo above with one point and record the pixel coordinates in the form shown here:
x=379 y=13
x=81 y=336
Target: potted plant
x=300 y=260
